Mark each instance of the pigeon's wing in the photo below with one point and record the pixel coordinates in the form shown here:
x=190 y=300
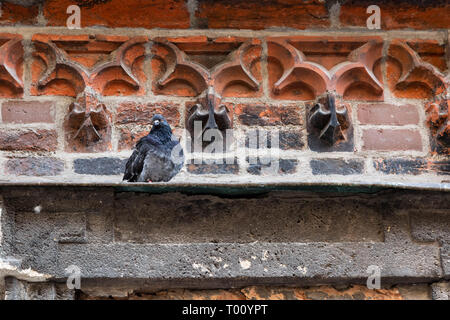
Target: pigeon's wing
x=135 y=163
x=129 y=174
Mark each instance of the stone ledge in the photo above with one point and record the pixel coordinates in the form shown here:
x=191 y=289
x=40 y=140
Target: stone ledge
x=188 y=239
x=235 y=187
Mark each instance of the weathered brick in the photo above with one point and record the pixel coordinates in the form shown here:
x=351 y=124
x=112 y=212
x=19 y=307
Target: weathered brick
x=431 y=51
x=28 y=140
x=438 y=121
x=399 y=166
x=391 y=140
x=261 y=14
x=387 y=114
x=398 y=15
x=100 y=166
x=137 y=113
x=129 y=137
x=291 y=140
x=35 y=166
x=336 y=166
x=209 y=166
x=282 y=166
x=12 y=13
x=288 y=165
x=261 y=139
x=114 y=13
x=260 y=115
x=411 y=166
x=353 y=292
x=27 y=111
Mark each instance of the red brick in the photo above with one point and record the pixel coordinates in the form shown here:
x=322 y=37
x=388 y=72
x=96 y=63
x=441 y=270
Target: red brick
x=391 y=140
x=128 y=138
x=262 y=115
x=141 y=113
x=17 y=14
x=261 y=14
x=28 y=140
x=117 y=13
x=387 y=114
x=352 y=292
x=27 y=112
x=400 y=14
x=420 y=82
x=431 y=51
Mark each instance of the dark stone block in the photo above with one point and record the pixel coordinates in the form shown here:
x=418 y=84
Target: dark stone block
x=100 y=166
x=411 y=166
x=291 y=140
x=250 y=115
x=263 y=139
x=345 y=143
x=336 y=166
x=35 y=166
x=285 y=166
x=210 y=166
x=288 y=165
x=441 y=167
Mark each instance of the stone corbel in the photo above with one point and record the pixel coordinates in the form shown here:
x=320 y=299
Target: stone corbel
x=88 y=118
x=329 y=126
x=438 y=120
x=212 y=118
x=88 y=123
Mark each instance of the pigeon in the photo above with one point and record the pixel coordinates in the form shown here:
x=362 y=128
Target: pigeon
x=156 y=157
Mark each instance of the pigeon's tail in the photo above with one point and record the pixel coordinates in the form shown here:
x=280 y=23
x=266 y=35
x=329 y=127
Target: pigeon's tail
x=129 y=176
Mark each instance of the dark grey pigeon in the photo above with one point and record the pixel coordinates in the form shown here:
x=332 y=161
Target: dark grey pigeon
x=156 y=157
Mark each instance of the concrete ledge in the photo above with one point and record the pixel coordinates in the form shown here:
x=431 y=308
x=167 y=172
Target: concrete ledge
x=238 y=187
x=162 y=239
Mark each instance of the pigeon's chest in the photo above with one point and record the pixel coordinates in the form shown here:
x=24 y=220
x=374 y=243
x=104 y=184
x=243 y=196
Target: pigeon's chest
x=159 y=165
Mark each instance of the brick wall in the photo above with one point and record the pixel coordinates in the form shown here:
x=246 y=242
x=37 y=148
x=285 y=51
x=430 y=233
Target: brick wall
x=229 y=14
x=74 y=102
x=303 y=92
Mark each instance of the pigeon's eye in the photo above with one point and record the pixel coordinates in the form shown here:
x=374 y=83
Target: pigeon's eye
x=156 y=122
